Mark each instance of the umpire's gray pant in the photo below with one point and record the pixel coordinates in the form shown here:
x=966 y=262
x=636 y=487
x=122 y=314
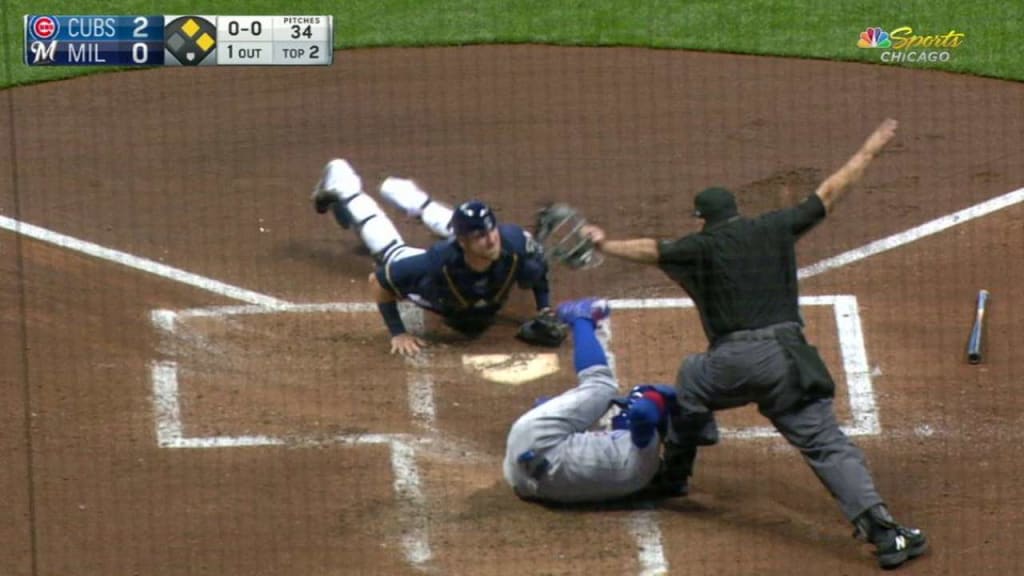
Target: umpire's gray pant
x=736 y=373
x=839 y=464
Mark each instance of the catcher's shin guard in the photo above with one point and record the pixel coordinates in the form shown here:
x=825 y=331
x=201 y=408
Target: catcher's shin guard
x=376 y=230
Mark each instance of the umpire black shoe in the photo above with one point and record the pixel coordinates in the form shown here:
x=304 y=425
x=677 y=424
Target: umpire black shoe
x=894 y=544
x=664 y=485
x=900 y=545
x=667 y=483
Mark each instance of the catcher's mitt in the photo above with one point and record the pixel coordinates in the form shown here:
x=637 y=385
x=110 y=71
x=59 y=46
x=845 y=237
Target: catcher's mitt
x=543 y=330
x=558 y=230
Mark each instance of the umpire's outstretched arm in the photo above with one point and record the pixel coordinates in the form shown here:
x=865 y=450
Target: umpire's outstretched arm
x=835 y=185
x=645 y=250
x=642 y=250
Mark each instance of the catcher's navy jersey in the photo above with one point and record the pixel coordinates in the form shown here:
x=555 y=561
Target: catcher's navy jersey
x=440 y=280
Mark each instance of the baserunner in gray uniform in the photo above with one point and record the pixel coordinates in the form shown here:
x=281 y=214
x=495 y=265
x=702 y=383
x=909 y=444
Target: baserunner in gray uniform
x=741 y=274
x=554 y=456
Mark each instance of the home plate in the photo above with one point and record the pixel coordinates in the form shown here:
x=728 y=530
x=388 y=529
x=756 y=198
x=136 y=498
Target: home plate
x=511 y=369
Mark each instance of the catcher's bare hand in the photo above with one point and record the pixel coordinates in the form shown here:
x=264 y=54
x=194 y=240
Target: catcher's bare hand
x=406 y=344
x=593 y=233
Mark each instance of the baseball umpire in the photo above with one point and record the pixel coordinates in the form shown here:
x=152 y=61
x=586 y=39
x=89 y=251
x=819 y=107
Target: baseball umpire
x=465 y=278
x=554 y=456
x=741 y=274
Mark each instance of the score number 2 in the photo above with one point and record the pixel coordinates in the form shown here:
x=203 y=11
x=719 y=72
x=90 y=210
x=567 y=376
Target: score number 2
x=140 y=52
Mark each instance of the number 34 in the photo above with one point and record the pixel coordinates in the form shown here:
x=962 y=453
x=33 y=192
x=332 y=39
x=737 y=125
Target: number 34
x=300 y=31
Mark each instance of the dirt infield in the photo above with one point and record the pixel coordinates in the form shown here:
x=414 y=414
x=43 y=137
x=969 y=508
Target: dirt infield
x=219 y=439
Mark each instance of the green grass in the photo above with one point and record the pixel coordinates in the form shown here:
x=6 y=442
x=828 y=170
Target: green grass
x=814 y=29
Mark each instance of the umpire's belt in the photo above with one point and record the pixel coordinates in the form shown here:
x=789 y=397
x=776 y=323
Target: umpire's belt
x=769 y=332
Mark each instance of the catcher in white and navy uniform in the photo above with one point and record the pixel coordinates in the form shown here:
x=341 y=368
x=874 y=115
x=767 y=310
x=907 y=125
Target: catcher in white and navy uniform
x=465 y=278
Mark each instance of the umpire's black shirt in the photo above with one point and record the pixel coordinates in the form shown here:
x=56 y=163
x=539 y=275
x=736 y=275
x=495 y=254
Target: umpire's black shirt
x=741 y=272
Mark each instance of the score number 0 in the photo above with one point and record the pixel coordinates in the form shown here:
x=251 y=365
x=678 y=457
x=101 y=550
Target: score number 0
x=255 y=28
x=234 y=28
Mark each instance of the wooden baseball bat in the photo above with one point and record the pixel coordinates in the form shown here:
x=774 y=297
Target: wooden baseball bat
x=974 y=354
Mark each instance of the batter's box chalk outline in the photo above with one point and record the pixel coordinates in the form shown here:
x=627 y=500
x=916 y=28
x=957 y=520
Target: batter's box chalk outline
x=169 y=428
x=643 y=525
x=863 y=408
x=411 y=503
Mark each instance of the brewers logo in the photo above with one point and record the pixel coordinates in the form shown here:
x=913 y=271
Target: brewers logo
x=190 y=39
x=39 y=29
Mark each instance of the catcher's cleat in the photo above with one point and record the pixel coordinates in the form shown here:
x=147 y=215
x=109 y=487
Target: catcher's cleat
x=322 y=197
x=338 y=184
x=595 y=309
x=322 y=201
x=894 y=544
x=662 y=486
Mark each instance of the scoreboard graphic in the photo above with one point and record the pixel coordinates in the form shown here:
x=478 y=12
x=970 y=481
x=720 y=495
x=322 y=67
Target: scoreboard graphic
x=178 y=40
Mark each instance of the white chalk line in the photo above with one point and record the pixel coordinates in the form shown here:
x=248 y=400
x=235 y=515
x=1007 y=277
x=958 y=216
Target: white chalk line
x=168 y=415
x=863 y=410
x=643 y=524
x=415 y=541
x=137 y=263
x=142 y=264
x=914 y=234
x=409 y=497
x=420 y=383
x=659 y=303
x=170 y=428
x=420 y=390
x=166 y=406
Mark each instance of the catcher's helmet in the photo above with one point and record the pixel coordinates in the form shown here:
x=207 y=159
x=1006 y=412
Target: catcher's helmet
x=473 y=216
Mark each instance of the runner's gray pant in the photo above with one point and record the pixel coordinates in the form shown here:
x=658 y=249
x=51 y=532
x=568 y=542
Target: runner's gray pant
x=553 y=456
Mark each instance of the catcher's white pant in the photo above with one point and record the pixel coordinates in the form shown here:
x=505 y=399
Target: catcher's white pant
x=379 y=233
x=552 y=455
x=416 y=203
x=375 y=228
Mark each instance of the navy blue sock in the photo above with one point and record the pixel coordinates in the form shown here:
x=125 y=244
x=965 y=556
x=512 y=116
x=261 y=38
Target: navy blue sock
x=587 y=351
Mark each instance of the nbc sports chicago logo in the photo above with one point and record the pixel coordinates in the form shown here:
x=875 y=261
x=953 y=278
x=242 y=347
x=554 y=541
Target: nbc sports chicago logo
x=903 y=45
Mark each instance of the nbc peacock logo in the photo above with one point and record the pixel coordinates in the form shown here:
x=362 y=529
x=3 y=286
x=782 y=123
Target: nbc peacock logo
x=874 y=38
x=901 y=44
